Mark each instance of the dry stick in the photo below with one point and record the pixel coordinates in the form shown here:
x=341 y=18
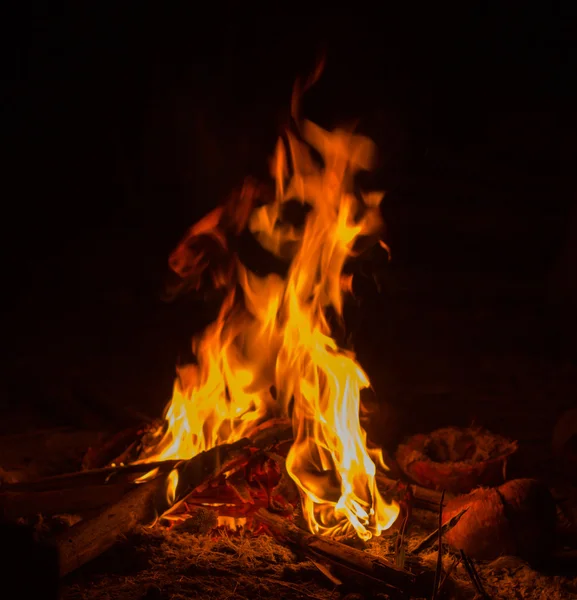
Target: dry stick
x=480 y=586
x=88 y=539
x=357 y=564
x=440 y=549
x=84 y=478
x=104 y=454
x=474 y=576
x=456 y=562
x=434 y=536
x=275 y=430
x=77 y=500
x=423 y=498
x=291 y=586
x=400 y=543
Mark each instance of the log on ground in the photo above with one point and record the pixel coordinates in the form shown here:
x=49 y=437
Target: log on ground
x=350 y=563
x=88 y=539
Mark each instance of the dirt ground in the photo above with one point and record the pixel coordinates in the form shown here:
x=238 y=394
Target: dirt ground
x=177 y=564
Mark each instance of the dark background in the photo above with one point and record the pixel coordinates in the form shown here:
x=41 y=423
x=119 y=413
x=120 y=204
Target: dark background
x=125 y=123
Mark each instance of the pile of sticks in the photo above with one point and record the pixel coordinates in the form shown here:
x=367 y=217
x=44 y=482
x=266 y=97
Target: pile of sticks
x=112 y=502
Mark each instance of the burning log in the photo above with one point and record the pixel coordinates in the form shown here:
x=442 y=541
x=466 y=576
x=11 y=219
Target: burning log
x=88 y=539
x=83 y=491
x=349 y=563
x=79 y=493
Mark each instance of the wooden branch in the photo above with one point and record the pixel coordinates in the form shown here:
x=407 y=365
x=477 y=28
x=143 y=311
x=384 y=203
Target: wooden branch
x=350 y=563
x=101 y=455
x=423 y=498
x=433 y=537
x=263 y=436
x=89 y=478
x=88 y=539
x=77 y=500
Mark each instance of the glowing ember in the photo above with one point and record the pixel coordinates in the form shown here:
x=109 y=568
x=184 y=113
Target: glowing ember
x=270 y=352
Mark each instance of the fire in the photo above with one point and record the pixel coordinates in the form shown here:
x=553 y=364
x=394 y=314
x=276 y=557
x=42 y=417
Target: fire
x=270 y=352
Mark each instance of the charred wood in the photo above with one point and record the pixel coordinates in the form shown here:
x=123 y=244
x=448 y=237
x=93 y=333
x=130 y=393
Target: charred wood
x=345 y=563
x=90 y=538
x=266 y=435
x=422 y=498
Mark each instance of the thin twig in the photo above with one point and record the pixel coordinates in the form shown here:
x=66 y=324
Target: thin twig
x=293 y=587
x=474 y=576
x=433 y=537
x=400 y=544
x=440 y=551
x=84 y=478
x=456 y=562
x=480 y=585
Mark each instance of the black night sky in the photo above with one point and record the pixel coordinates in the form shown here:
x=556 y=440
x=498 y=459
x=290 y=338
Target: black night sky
x=125 y=122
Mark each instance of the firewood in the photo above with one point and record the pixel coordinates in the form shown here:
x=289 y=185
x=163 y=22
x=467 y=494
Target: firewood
x=264 y=436
x=76 y=500
x=55 y=494
x=101 y=455
x=423 y=498
x=349 y=563
x=435 y=536
x=90 y=538
x=88 y=478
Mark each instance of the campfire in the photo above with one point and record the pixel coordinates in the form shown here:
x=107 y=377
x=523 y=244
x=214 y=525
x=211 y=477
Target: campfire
x=263 y=433
x=271 y=353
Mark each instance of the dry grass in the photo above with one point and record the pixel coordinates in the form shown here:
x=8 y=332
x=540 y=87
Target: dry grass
x=181 y=563
x=176 y=564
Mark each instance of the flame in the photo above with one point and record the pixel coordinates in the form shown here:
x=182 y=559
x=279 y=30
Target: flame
x=231 y=523
x=270 y=352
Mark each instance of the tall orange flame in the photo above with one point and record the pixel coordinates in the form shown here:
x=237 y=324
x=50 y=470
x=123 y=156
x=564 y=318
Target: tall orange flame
x=270 y=351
